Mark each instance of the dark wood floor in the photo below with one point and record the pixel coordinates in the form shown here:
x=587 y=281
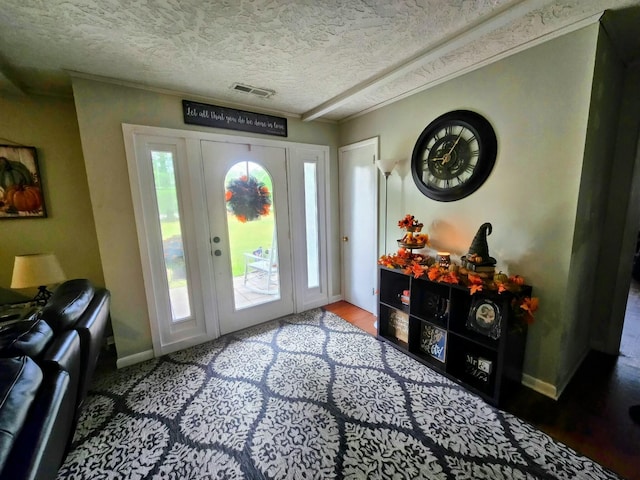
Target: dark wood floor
x=592 y=415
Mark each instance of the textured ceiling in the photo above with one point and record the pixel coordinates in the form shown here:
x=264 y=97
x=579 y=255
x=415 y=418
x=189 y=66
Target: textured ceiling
x=324 y=58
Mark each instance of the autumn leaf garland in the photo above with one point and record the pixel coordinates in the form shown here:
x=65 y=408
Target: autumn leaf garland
x=419 y=265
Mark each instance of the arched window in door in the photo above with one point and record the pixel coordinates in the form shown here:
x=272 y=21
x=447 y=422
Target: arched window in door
x=251 y=226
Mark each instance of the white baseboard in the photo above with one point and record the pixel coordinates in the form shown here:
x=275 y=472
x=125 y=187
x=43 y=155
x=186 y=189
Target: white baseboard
x=553 y=391
x=135 y=358
x=335 y=298
x=541 y=387
x=565 y=381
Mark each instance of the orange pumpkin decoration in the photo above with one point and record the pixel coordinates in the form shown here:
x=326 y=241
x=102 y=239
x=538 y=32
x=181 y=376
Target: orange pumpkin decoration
x=24 y=198
x=517 y=279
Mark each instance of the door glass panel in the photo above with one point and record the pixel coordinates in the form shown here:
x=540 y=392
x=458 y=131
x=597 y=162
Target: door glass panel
x=311 y=220
x=171 y=228
x=253 y=246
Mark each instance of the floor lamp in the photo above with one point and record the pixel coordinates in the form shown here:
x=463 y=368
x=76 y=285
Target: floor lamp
x=386 y=167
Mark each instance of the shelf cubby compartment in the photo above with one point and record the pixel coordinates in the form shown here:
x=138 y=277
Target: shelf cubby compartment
x=460 y=304
x=395 y=284
x=471 y=339
x=428 y=342
x=393 y=325
x=430 y=302
x=473 y=364
x=462 y=322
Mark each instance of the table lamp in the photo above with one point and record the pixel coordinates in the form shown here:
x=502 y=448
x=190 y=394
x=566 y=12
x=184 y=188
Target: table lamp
x=37 y=270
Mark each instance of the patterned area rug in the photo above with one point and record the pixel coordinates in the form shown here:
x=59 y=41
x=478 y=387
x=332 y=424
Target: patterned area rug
x=307 y=396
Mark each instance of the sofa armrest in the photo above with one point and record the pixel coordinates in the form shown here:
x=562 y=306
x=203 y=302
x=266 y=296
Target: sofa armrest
x=46 y=435
x=91 y=328
x=39 y=450
x=29 y=337
x=20 y=379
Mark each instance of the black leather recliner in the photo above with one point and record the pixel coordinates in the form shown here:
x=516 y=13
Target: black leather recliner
x=38 y=440
x=46 y=365
x=77 y=305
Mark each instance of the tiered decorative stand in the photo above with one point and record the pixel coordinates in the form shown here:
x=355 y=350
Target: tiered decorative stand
x=409 y=241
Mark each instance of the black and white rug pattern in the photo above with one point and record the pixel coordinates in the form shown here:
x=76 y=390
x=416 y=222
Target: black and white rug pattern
x=307 y=396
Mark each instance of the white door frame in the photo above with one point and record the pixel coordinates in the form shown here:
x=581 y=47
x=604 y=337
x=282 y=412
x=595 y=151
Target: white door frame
x=192 y=186
x=346 y=230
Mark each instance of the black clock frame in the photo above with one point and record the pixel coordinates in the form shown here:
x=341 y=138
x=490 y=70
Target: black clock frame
x=487 y=146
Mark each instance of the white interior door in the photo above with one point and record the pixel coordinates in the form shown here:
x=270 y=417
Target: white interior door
x=247 y=202
x=359 y=222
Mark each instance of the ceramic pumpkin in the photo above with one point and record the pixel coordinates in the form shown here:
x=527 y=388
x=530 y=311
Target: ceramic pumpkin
x=24 y=198
x=500 y=278
x=13 y=173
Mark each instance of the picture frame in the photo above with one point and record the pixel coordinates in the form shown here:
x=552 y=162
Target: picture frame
x=399 y=325
x=433 y=341
x=21 y=193
x=485 y=317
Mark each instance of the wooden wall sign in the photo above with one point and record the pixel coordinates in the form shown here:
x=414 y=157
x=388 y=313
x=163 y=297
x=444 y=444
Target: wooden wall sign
x=222 y=117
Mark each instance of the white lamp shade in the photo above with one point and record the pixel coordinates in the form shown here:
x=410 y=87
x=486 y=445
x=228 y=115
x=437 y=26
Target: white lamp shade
x=387 y=165
x=36 y=270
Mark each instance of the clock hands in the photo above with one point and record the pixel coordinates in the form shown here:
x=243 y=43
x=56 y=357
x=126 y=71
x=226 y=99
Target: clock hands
x=447 y=156
x=455 y=143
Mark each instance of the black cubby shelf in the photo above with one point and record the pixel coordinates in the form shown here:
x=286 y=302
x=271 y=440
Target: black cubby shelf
x=471 y=339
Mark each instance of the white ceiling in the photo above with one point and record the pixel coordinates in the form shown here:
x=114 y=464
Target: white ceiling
x=329 y=59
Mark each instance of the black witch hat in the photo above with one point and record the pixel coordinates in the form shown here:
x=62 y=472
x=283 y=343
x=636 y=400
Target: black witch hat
x=479 y=245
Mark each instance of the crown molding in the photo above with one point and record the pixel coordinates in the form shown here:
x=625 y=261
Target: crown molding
x=583 y=22
x=181 y=94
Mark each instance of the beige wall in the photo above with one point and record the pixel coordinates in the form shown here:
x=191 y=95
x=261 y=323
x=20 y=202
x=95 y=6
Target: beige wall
x=621 y=223
x=538 y=104
x=50 y=125
x=102 y=109
x=595 y=193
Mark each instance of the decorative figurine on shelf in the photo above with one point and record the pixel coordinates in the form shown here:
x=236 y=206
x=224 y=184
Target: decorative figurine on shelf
x=478 y=258
x=413 y=239
x=444 y=259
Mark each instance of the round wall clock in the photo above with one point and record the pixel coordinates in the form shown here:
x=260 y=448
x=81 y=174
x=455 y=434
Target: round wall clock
x=454 y=155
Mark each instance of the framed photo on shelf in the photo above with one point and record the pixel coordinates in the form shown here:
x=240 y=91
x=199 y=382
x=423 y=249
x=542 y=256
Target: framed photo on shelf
x=485 y=317
x=433 y=341
x=21 y=193
x=399 y=325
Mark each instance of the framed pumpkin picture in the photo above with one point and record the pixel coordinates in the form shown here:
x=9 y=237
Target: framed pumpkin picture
x=21 y=193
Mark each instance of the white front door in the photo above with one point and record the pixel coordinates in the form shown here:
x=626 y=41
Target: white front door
x=359 y=222
x=247 y=203
x=207 y=273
